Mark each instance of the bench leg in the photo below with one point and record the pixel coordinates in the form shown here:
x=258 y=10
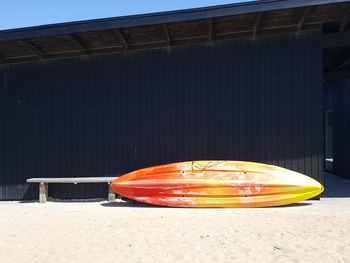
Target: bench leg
x=111 y=194
x=43 y=192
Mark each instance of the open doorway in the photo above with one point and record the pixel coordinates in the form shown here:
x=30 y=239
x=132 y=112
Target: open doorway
x=328 y=140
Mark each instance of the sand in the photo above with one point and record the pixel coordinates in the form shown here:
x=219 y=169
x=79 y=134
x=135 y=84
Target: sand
x=312 y=231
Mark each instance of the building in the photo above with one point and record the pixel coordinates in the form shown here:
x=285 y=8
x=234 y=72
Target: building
x=102 y=97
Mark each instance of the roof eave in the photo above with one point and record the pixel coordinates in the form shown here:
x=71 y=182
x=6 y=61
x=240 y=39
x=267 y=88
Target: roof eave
x=157 y=18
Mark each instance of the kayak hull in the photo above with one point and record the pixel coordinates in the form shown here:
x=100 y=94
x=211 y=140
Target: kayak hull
x=216 y=184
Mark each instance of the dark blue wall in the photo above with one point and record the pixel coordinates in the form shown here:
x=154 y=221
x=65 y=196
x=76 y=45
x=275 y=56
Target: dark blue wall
x=257 y=100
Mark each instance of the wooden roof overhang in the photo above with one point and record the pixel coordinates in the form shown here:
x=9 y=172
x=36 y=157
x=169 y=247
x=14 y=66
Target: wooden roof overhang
x=122 y=34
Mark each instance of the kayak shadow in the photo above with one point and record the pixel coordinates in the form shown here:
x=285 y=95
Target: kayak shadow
x=130 y=203
x=135 y=204
x=300 y=204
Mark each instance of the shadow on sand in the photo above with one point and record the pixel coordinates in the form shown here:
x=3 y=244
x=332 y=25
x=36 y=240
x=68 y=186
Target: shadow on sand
x=135 y=204
x=54 y=200
x=130 y=203
x=336 y=186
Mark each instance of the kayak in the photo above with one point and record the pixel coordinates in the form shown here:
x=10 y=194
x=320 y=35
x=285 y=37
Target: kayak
x=216 y=184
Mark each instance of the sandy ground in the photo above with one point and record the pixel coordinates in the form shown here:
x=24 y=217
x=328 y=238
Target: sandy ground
x=312 y=231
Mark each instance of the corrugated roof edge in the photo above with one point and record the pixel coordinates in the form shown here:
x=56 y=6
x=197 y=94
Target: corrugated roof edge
x=157 y=18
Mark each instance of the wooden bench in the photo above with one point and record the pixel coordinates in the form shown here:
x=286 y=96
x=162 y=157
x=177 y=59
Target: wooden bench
x=44 y=185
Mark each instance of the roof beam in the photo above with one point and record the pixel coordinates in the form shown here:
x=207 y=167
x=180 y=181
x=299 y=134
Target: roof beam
x=337 y=75
x=33 y=48
x=121 y=38
x=302 y=19
x=166 y=33
x=211 y=29
x=77 y=43
x=257 y=24
x=337 y=39
x=345 y=62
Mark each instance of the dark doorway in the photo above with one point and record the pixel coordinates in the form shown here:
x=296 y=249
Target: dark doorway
x=329 y=140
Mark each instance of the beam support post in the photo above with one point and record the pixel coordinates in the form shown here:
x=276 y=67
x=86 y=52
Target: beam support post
x=257 y=24
x=211 y=29
x=33 y=48
x=77 y=43
x=166 y=33
x=302 y=19
x=121 y=38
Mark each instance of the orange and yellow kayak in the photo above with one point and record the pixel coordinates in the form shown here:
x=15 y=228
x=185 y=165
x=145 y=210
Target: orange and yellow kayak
x=216 y=184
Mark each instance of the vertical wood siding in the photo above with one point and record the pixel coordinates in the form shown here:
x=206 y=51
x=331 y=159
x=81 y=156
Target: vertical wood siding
x=254 y=100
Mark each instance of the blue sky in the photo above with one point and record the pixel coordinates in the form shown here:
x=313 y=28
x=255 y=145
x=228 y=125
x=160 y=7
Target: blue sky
x=24 y=13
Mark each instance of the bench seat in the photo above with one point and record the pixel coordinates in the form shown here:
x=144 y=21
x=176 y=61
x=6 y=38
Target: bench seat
x=44 y=184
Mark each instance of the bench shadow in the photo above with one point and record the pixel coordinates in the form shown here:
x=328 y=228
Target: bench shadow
x=54 y=200
x=92 y=200
x=28 y=201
